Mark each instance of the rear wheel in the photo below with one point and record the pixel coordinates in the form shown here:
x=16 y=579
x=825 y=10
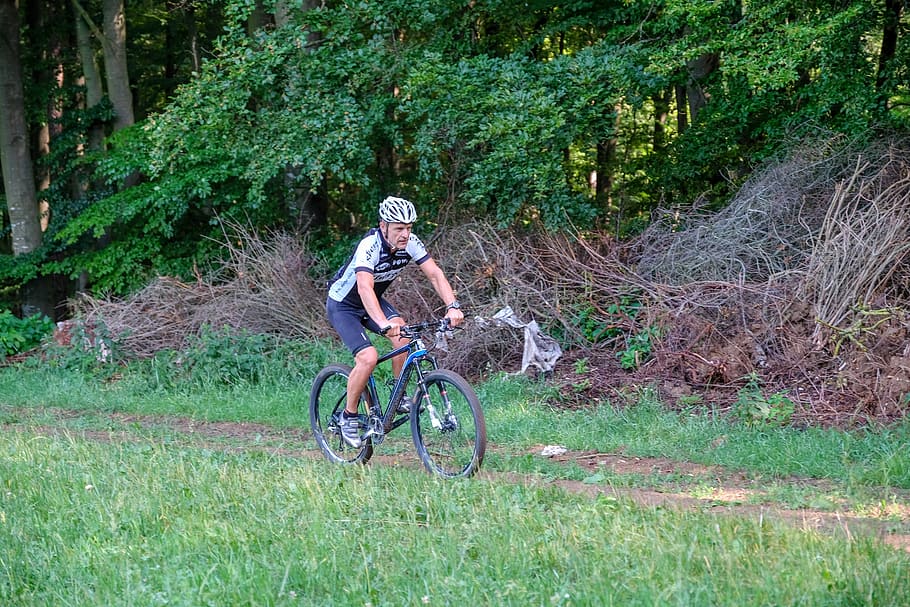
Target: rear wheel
x=327 y=400
x=447 y=425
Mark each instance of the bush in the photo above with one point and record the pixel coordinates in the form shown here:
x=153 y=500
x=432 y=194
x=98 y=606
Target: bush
x=228 y=356
x=22 y=334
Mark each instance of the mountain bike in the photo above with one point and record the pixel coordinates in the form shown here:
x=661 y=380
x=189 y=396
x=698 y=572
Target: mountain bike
x=447 y=423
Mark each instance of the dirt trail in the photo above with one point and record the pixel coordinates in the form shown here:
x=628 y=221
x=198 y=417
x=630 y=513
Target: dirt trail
x=711 y=489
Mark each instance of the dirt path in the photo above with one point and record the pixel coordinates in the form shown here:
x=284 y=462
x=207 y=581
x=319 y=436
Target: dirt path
x=710 y=489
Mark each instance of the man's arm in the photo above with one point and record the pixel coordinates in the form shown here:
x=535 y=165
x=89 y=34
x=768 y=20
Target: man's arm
x=367 y=294
x=442 y=287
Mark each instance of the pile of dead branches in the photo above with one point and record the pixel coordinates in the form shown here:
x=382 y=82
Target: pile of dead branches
x=802 y=281
x=761 y=233
x=863 y=242
x=266 y=285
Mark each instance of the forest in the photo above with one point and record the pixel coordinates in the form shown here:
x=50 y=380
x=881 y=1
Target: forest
x=710 y=191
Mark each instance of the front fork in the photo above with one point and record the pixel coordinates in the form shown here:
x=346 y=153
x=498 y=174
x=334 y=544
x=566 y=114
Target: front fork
x=440 y=420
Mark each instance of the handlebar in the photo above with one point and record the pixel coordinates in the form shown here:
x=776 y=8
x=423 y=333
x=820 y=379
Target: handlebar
x=441 y=325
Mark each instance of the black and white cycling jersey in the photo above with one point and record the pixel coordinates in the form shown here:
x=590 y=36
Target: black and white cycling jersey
x=373 y=254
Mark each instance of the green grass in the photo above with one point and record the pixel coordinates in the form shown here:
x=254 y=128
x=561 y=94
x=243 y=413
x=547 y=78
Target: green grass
x=147 y=514
x=518 y=419
x=643 y=428
x=89 y=523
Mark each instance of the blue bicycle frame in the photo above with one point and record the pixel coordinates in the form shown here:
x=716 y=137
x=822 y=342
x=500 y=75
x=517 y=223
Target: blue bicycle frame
x=381 y=423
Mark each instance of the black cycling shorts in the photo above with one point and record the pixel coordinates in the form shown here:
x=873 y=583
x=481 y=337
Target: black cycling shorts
x=350 y=321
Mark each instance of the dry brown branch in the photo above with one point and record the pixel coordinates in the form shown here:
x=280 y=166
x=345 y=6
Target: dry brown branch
x=488 y=270
x=272 y=288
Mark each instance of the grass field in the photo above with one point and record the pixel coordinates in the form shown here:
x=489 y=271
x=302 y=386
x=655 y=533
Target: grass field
x=104 y=502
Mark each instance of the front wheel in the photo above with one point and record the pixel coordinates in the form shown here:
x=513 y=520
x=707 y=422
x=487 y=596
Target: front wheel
x=448 y=426
x=327 y=400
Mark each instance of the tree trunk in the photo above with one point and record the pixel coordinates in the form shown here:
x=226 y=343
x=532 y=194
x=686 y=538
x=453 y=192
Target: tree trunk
x=890 y=23
x=189 y=18
x=18 y=171
x=606 y=159
x=309 y=202
x=171 y=52
x=94 y=93
x=699 y=69
x=257 y=20
x=283 y=12
x=312 y=38
x=682 y=114
x=603 y=177
x=661 y=102
x=94 y=90
x=115 y=64
x=42 y=16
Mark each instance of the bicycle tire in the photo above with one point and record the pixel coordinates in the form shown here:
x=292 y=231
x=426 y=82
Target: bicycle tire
x=457 y=448
x=327 y=401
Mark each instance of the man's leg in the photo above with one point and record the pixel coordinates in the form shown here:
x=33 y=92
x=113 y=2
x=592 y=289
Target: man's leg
x=347 y=321
x=364 y=363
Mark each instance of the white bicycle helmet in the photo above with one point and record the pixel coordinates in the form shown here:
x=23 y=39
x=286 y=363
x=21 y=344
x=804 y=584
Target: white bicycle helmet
x=397 y=210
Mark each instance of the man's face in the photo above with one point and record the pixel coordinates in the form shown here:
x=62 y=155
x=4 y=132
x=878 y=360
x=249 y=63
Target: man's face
x=396 y=234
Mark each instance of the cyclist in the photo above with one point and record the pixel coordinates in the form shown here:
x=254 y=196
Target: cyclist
x=355 y=299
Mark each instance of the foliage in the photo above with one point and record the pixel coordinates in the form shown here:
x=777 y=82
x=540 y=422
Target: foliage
x=22 y=334
x=764 y=93
x=638 y=347
x=225 y=144
x=753 y=408
x=83 y=347
x=599 y=327
x=226 y=356
x=496 y=130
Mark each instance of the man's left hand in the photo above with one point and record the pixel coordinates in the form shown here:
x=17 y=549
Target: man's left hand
x=455 y=316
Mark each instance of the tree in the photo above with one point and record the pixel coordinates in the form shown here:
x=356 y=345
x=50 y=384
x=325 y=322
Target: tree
x=15 y=158
x=115 y=63
x=91 y=74
x=891 y=19
x=47 y=74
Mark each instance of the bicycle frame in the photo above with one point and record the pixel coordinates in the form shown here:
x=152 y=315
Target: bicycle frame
x=417 y=353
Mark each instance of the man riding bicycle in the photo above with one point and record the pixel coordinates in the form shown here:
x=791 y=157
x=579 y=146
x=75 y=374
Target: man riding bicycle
x=355 y=299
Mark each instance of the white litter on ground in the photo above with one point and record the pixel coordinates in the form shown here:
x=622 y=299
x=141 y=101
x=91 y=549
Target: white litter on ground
x=553 y=450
